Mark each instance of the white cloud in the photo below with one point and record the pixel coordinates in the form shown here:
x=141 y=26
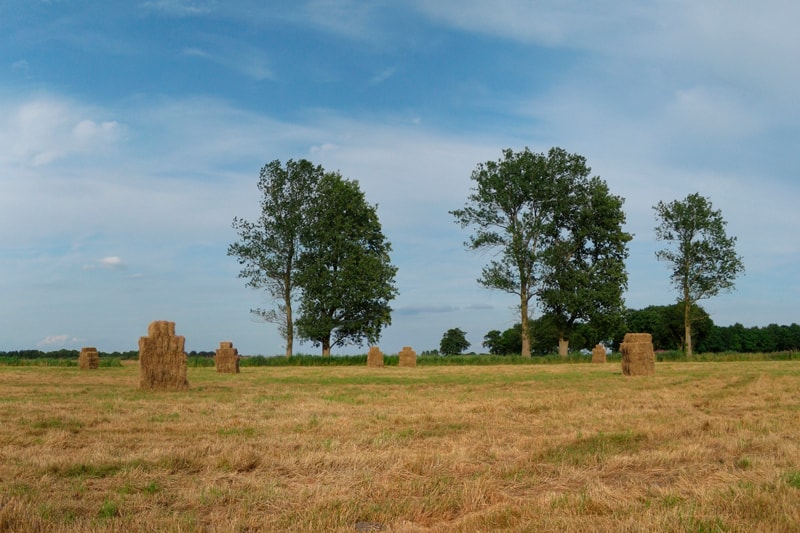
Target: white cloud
x=113 y=262
x=44 y=129
x=318 y=150
x=88 y=133
x=56 y=341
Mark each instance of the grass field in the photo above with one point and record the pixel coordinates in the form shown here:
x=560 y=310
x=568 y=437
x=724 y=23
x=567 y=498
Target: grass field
x=698 y=447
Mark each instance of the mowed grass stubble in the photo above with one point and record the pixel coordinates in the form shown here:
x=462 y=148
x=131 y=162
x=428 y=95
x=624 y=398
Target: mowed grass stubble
x=698 y=447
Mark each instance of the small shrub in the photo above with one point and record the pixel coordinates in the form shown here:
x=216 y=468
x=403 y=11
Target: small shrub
x=152 y=488
x=305 y=360
x=109 y=509
x=199 y=361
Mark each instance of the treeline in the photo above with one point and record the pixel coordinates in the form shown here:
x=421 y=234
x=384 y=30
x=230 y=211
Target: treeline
x=64 y=354
x=74 y=354
x=664 y=323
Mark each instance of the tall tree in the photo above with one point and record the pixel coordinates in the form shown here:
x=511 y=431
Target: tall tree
x=703 y=258
x=516 y=207
x=585 y=275
x=268 y=248
x=344 y=269
x=454 y=341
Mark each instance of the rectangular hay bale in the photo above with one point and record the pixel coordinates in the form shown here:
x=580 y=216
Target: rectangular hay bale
x=227 y=358
x=375 y=357
x=638 y=357
x=162 y=361
x=407 y=357
x=88 y=359
x=599 y=354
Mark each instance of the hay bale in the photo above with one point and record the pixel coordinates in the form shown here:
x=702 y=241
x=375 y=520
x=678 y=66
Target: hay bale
x=638 y=357
x=375 y=357
x=88 y=359
x=227 y=358
x=162 y=361
x=408 y=357
x=599 y=354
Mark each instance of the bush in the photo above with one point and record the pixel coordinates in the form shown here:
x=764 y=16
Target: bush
x=39 y=361
x=306 y=360
x=199 y=361
x=105 y=362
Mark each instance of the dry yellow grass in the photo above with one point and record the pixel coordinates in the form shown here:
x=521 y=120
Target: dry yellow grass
x=698 y=447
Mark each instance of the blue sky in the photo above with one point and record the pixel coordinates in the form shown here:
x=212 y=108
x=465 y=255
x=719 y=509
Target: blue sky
x=132 y=133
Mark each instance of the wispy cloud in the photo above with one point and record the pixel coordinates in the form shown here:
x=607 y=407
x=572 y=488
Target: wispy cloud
x=21 y=66
x=244 y=59
x=109 y=263
x=425 y=309
x=751 y=46
x=382 y=76
x=349 y=18
x=550 y=22
x=479 y=307
x=716 y=113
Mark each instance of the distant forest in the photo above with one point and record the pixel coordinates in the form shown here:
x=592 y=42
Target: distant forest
x=663 y=322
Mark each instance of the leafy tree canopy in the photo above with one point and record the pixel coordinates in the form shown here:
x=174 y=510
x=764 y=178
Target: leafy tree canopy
x=585 y=277
x=269 y=247
x=454 y=341
x=344 y=268
x=701 y=255
x=538 y=211
x=507 y=342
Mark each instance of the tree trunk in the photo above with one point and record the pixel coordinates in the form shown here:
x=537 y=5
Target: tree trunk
x=563 y=346
x=526 y=337
x=289 y=330
x=687 y=319
x=687 y=323
x=287 y=300
x=326 y=347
